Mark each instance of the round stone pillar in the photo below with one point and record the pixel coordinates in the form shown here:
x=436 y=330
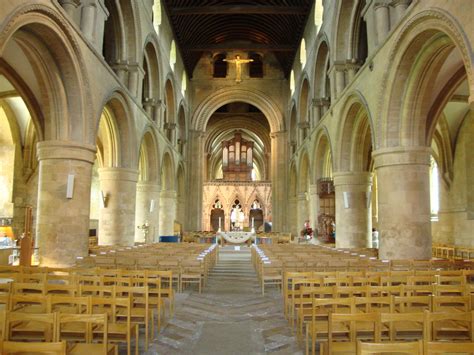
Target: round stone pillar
x=117 y=214
x=313 y=206
x=303 y=215
x=404 y=202
x=64 y=188
x=353 y=213
x=167 y=212
x=148 y=210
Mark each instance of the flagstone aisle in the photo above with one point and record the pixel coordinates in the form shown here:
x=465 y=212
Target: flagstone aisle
x=229 y=317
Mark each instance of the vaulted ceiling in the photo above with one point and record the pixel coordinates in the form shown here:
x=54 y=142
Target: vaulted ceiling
x=202 y=26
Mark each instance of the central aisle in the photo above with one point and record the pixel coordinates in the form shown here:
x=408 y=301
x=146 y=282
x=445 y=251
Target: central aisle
x=230 y=316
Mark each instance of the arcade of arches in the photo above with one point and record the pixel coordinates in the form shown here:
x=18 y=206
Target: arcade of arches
x=370 y=125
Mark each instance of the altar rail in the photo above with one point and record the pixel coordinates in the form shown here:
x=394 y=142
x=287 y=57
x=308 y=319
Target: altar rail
x=262 y=237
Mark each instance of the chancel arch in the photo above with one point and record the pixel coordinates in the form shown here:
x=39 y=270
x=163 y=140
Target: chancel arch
x=431 y=58
x=148 y=189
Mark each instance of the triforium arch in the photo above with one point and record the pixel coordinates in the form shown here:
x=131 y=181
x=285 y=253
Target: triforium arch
x=148 y=188
x=304 y=116
x=170 y=113
x=322 y=163
x=151 y=80
x=321 y=85
x=41 y=35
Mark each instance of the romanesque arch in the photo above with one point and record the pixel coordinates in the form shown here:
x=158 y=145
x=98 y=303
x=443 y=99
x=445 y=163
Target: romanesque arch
x=304 y=117
x=151 y=80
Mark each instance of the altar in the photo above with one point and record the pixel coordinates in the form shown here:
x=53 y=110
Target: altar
x=236 y=237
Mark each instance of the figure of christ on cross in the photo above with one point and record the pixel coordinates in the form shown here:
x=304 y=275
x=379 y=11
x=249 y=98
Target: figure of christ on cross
x=238 y=66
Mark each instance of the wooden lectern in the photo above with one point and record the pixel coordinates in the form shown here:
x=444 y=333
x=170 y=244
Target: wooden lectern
x=26 y=242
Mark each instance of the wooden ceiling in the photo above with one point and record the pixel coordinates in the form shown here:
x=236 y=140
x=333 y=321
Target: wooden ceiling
x=261 y=26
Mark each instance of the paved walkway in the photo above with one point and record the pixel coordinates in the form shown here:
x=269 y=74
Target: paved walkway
x=229 y=317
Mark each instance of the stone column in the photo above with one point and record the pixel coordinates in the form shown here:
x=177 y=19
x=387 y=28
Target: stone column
x=62 y=222
x=352 y=67
x=88 y=21
x=353 y=213
x=382 y=20
x=148 y=105
x=196 y=164
x=317 y=110
x=135 y=79
x=340 y=78
x=70 y=7
x=167 y=212
x=404 y=202
x=400 y=6
x=303 y=130
x=313 y=205
x=121 y=69
x=147 y=210
x=278 y=177
x=117 y=216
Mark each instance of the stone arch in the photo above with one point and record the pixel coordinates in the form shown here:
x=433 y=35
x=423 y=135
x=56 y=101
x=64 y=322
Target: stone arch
x=149 y=164
x=357 y=50
x=293 y=129
x=322 y=155
x=342 y=29
x=420 y=50
x=59 y=88
x=151 y=80
x=227 y=95
x=180 y=191
x=356 y=135
x=170 y=119
x=167 y=172
x=120 y=122
x=121 y=34
x=303 y=107
x=292 y=200
x=181 y=126
x=321 y=78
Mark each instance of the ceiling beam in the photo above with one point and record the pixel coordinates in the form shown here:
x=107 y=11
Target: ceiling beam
x=238 y=10
x=240 y=47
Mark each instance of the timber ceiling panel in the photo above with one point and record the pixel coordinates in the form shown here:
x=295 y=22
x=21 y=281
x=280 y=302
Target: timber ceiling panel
x=261 y=26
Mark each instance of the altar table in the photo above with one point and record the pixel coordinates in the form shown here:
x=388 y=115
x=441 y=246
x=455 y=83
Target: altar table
x=236 y=237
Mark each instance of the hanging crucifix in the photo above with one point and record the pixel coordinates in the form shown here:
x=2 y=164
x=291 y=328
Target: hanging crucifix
x=238 y=66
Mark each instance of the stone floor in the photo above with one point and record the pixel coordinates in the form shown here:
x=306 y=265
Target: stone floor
x=229 y=317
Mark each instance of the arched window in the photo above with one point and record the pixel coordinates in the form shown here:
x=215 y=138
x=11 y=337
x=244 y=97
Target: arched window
x=292 y=82
x=173 y=54
x=303 y=53
x=220 y=66
x=434 y=189
x=256 y=67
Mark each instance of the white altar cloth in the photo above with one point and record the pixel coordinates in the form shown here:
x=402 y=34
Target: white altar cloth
x=236 y=237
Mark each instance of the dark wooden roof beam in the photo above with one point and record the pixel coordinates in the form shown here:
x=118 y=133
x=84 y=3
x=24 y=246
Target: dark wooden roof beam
x=245 y=48
x=238 y=10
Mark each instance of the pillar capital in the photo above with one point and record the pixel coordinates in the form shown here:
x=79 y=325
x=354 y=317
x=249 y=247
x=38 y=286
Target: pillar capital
x=402 y=156
x=65 y=150
x=148 y=186
x=381 y=3
x=404 y=3
x=352 y=178
x=168 y=194
x=119 y=174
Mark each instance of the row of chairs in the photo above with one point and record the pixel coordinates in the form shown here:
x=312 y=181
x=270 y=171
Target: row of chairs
x=377 y=333
x=452 y=252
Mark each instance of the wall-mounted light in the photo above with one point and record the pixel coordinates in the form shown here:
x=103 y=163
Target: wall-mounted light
x=103 y=199
x=345 y=195
x=152 y=205
x=70 y=186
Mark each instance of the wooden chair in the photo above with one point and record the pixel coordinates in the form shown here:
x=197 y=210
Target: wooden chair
x=449 y=326
x=402 y=326
x=27 y=326
x=13 y=347
x=87 y=322
x=68 y=304
x=345 y=329
x=192 y=272
x=167 y=291
x=120 y=329
x=448 y=347
x=412 y=348
x=28 y=303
